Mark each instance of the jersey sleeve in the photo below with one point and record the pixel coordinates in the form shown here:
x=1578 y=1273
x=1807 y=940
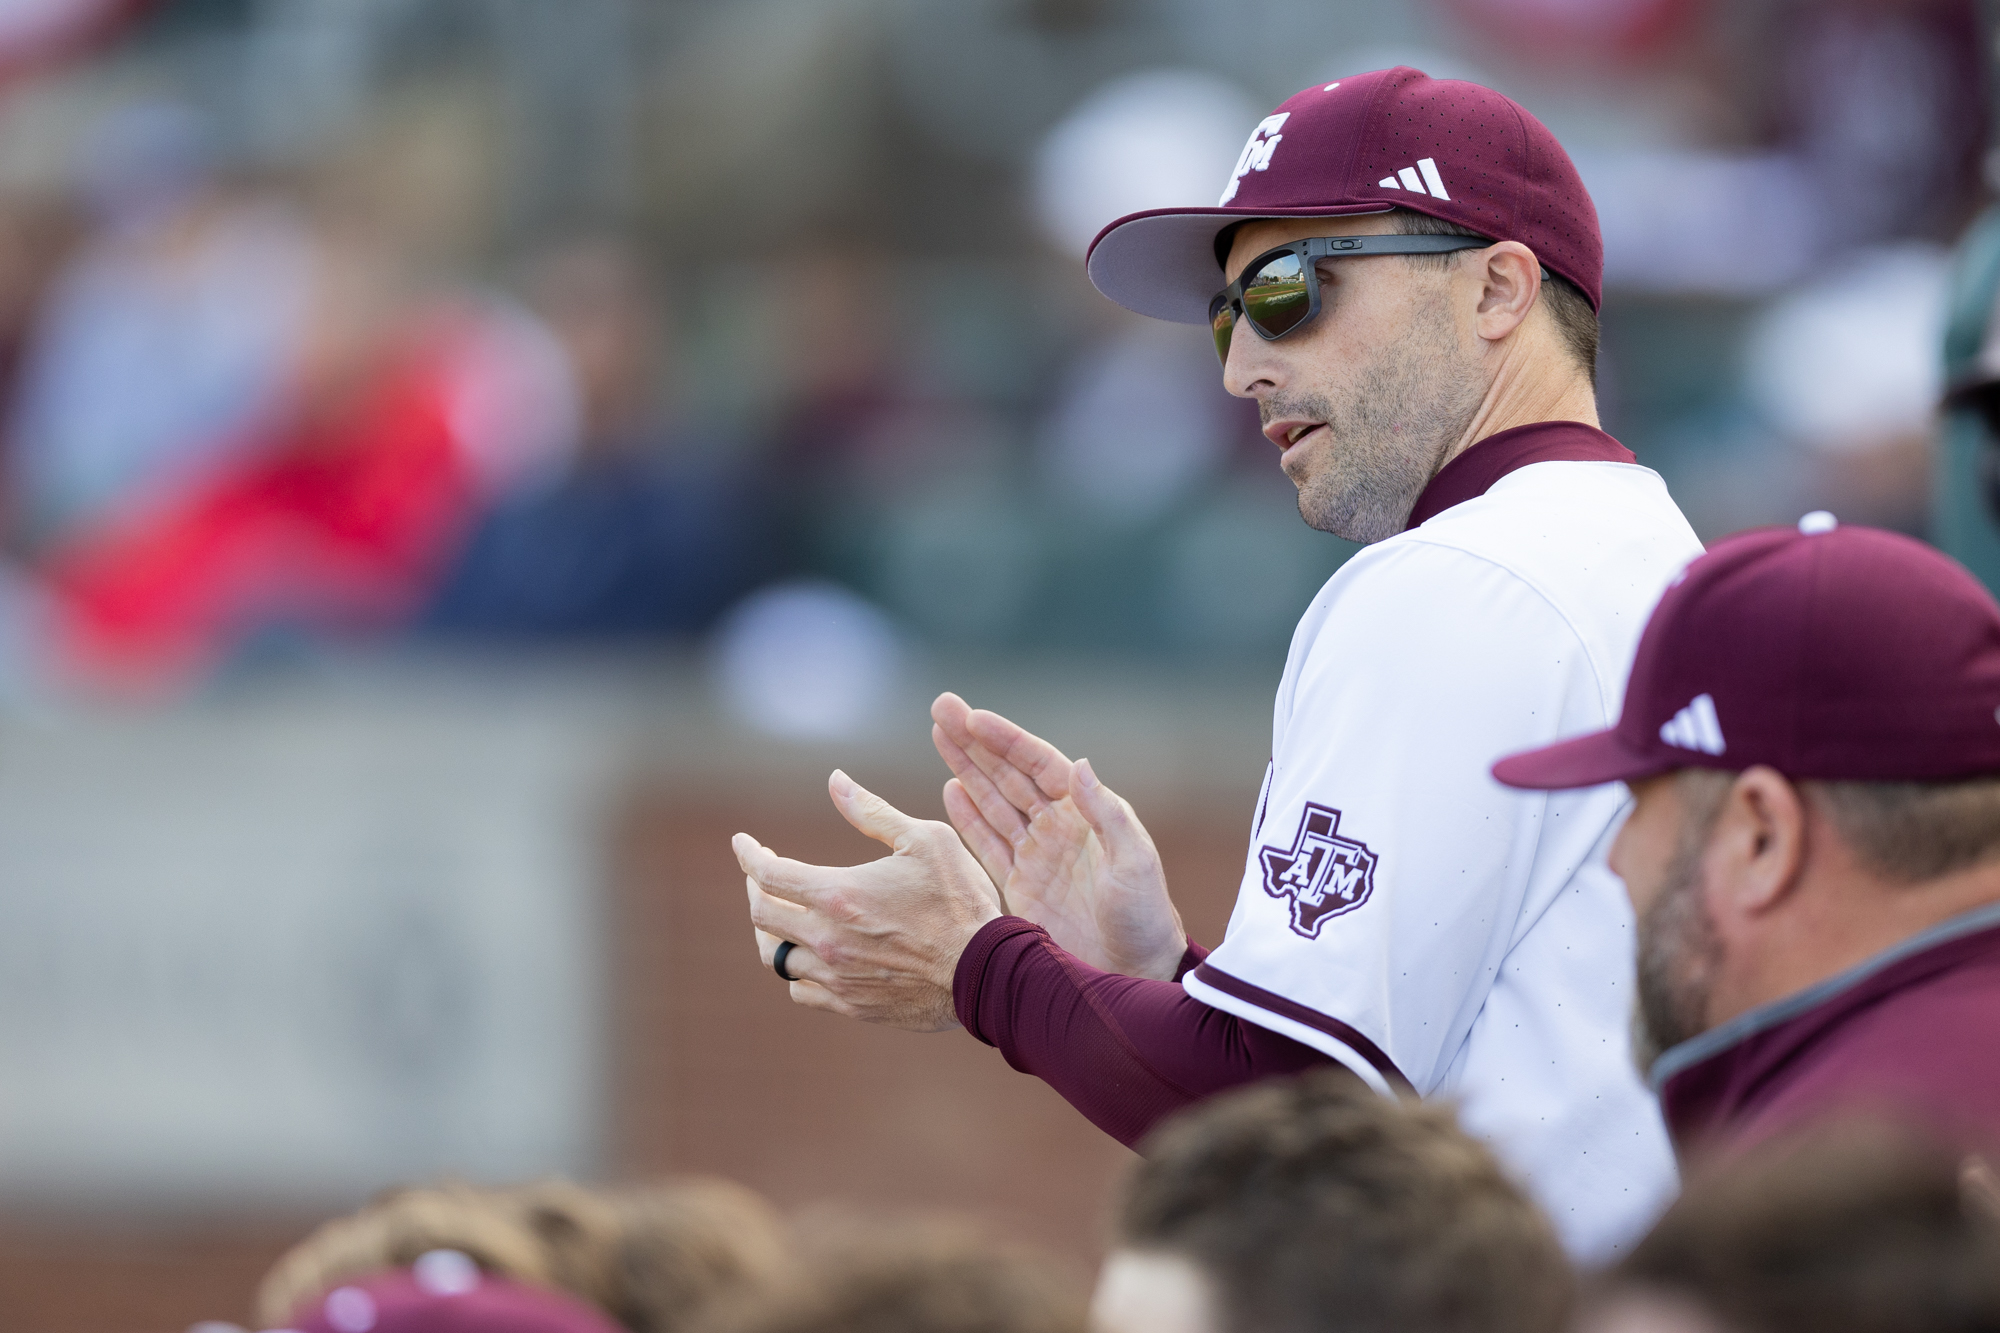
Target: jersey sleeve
x=1388 y=874
x=1125 y=1051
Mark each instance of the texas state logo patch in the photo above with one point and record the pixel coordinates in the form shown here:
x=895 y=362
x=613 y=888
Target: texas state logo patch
x=1322 y=873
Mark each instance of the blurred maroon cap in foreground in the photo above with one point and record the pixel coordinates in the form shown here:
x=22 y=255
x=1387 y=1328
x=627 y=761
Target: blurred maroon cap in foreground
x=445 y=1292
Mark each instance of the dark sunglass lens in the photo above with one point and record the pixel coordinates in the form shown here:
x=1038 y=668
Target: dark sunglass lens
x=1222 y=322
x=1275 y=299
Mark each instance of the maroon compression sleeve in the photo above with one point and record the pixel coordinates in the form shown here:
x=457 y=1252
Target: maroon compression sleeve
x=1190 y=959
x=1125 y=1051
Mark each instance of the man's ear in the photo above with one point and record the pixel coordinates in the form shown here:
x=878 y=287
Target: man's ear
x=1511 y=278
x=1758 y=848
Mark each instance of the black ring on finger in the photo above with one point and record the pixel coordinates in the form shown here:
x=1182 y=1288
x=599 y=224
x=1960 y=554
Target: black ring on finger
x=778 y=959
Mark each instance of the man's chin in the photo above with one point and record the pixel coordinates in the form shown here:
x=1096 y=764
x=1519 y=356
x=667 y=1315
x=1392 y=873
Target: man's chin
x=1296 y=463
x=1346 y=520
x=1355 y=508
x=1660 y=1023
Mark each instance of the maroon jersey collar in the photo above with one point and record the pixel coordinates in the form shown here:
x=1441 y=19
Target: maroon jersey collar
x=1706 y=1083
x=1472 y=473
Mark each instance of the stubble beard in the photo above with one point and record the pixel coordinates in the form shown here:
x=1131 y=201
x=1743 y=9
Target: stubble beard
x=1408 y=406
x=1680 y=951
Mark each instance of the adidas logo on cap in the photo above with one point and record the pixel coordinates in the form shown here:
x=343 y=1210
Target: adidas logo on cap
x=1412 y=181
x=1696 y=727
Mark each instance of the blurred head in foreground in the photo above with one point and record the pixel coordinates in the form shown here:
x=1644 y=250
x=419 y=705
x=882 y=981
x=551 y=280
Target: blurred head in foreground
x=873 y=1277
x=394 y=1232
x=685 y=1245
x=652 y=1257
x=1860 y=1227
x=1315 y=1204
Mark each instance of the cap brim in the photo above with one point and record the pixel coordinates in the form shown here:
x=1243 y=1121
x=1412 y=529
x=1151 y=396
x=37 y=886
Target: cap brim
x=1161 y=262
x=1583 y=761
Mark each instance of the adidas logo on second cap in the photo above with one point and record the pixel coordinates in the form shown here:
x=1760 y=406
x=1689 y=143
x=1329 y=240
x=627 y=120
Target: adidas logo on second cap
x=1696 y=727
x=1410 y=179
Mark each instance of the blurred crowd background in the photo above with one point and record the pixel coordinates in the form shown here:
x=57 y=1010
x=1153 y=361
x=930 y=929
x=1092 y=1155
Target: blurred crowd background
x=461 y=459
x=376 y=321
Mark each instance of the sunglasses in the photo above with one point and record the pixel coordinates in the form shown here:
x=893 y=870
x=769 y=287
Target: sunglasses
x=1279 y=290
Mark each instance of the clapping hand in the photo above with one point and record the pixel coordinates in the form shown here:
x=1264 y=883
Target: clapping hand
x=1066 y=851
x=878 y=941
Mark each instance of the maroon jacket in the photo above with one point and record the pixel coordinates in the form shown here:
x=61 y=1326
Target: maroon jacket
x=1913 y=1032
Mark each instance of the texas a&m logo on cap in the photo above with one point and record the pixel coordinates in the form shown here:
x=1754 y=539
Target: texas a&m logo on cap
x=1322 y=873
x=1256 y=154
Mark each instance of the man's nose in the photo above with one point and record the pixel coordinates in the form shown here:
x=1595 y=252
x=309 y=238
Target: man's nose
x=1250 y=370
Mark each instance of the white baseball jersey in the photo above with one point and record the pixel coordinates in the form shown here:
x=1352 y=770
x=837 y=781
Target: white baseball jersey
x=1407 y=915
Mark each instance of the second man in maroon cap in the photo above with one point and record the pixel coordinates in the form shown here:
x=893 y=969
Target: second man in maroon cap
x=1812 y=733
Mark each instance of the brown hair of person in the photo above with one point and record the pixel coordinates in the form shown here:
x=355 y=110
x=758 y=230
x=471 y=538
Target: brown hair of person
x=579 y=1231
x=910 y=1277
x=1905 y=832
x=1859 y=1226
x=395 y=1231
x=1571 y=310
x=685 y=1245
x=1909 y=832
x=1315 y=1203
x=653 y=1257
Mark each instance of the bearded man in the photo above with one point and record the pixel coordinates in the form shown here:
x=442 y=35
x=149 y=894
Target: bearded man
x=1812 y=736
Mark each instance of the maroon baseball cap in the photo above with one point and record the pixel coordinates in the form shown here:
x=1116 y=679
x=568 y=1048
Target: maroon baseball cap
x=1843 y=654
x=1395 y=138
x=445 y=1293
